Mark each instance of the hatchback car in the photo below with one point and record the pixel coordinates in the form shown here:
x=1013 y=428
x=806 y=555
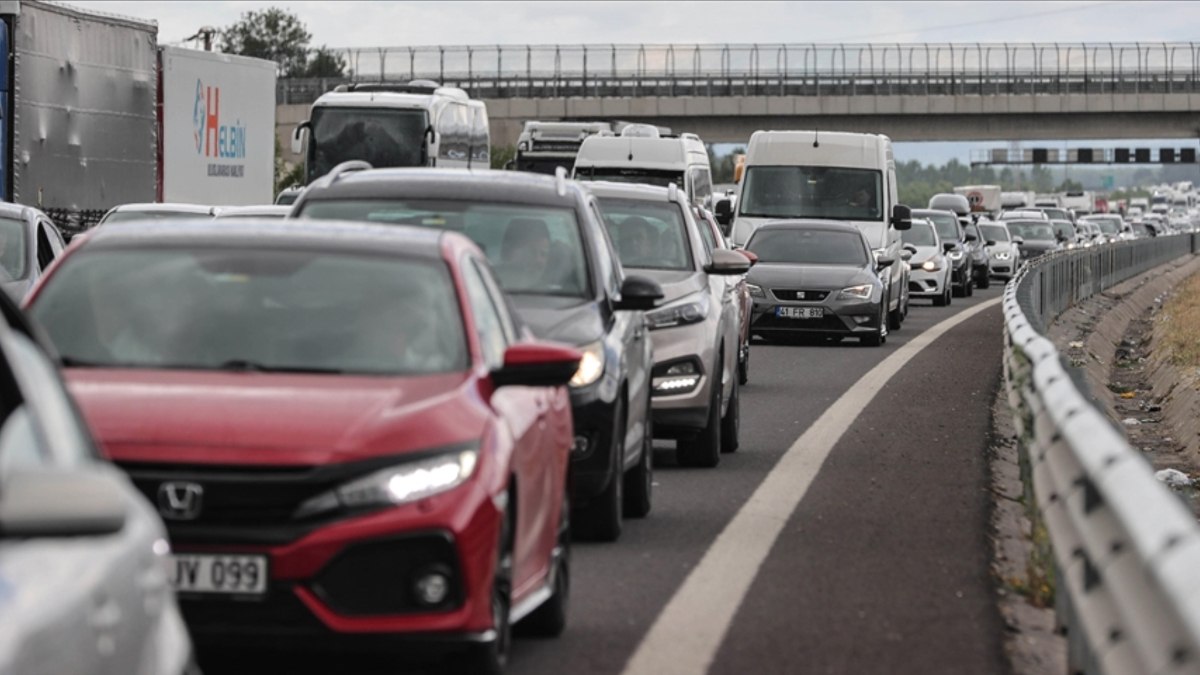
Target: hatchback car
x=354 y=441
x=1003 y=249
x=83 y=556
x=817 y=278
x=29 y=242
x=930 y=275
x=544 y=237
x=1037 y=237
x=697 y=331
x=951 y=231
x=126 y=213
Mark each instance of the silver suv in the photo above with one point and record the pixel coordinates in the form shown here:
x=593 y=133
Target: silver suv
x=694 y=393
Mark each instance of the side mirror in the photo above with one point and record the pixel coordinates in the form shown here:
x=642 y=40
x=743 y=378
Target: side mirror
x=949 y=246
x=723 y=211
x=750 y=255
x=298 y=136
x=970 y=237
x=85 y=502
x=537 y=364
x=725 y=261
x=1018 y=240
x=990 y=242
x=910 y=248
x=906 y=255
x=901 y=217
x=638 y=293
x=885 y=261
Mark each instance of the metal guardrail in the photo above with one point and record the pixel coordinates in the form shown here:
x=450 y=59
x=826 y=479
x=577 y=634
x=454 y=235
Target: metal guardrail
x=553 y=71
x=1126 y=550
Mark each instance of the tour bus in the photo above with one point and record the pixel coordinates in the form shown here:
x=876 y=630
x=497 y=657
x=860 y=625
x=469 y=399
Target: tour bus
x=642 y=154
x=542 y=147
x=826 y=175
x=394 y=125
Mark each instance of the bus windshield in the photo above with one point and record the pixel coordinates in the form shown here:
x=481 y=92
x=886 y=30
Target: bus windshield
x=384 y=137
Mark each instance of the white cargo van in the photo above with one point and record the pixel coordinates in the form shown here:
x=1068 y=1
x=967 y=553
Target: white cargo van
x=394 y=125
x=828 y=176
x=641 y=154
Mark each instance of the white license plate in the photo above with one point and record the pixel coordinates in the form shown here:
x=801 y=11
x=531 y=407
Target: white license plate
x=799 y=312
x=233 y=574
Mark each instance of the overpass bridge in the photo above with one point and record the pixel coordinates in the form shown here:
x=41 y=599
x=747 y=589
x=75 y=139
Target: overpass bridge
x=724 y=92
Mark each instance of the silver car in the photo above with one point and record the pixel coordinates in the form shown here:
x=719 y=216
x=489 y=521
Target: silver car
x=29 y=242
x=696 y=331
x=156 y=211
x=817 y=278
x=1005 y=252
x=84 y=576
x=931 y=270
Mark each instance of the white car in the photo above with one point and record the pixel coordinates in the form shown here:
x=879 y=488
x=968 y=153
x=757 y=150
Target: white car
x=930 y=269
x=154 y=211
x=1005 y=253
x=84 y=564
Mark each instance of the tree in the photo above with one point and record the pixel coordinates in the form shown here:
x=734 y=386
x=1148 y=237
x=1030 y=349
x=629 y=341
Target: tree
x=273 y=34
x=326 y=63
x=502 y=155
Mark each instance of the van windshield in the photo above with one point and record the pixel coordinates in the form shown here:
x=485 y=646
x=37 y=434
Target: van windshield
x=616 y=174
x=834 y=193
x=383 y=137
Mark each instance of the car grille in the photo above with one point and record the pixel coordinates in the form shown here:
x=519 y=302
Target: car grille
x=799 y=295
x=829 y=322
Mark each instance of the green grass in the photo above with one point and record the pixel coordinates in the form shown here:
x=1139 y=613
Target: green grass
x=1181 y=317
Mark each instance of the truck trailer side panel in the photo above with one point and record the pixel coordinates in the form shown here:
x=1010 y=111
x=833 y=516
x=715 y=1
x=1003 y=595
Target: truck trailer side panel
x=83 y=92
x=218 y=128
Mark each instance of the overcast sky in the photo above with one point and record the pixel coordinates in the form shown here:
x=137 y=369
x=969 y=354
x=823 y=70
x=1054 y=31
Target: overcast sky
x=387 y=24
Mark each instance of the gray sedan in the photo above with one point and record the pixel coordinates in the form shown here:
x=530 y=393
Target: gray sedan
x=816 y=278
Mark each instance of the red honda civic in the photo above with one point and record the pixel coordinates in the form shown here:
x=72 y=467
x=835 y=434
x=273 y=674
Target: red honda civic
x=354 y=441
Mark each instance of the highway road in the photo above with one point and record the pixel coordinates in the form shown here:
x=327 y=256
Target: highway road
x=863 y=549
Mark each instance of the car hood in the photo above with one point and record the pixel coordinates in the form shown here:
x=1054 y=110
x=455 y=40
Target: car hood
x=1041 y=246
x=807 y=277
x=257 y=418
x=675 y=284
x=568 y=320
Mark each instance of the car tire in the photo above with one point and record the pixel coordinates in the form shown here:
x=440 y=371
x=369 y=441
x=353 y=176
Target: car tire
x=639 y=481
x=731 y=422
x=550 y=618
x=491 y=659
x=969 y=283
x=743 y=370
x=985 y=282
x=943 y=299
x=894 y=319
x=600 y=520
x=879 y=337
x=704 y=448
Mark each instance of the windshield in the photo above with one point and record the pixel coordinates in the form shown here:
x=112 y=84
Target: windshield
x=1106 y=225
x=647 y=235
x=534 y=250
x=946 y=224
x=131 y=216
x=1057 y=214
x=812 y=192
x=12 y=249
x=631 y=175
x=271 y=310
x=1031 y=230
x=1064 y=229
x=920 y=234
x=995 y=233
x=808 y=247
x=384 y=137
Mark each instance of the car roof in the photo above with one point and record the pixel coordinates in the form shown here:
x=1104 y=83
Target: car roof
x=827 y=225
x=483 y=185
x=12 y=210
x=411 y=241
x=257 y=210
x=164 y=206
x=602 y=188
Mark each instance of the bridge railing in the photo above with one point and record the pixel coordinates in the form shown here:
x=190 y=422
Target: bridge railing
x=503 y=71
x=1126 y=550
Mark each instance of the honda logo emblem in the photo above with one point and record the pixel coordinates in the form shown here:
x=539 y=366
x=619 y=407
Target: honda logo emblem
x=180 y=501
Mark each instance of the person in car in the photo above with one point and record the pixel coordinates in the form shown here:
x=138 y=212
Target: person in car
x=635 y=243
x=525 y=254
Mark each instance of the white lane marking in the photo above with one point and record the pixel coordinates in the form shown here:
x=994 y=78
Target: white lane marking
x=689 y=630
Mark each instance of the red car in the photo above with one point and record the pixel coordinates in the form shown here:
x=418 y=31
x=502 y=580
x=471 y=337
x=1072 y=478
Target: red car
x=353 y=440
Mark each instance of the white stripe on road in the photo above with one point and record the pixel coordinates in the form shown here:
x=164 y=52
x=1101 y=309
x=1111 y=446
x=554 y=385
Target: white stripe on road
x=687 y=633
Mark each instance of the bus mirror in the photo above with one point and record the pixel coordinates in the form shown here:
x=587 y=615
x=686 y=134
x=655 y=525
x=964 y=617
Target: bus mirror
x=298 y=137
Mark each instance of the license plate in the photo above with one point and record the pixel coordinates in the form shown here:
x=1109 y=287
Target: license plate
x=799 y=312
x=232 y=574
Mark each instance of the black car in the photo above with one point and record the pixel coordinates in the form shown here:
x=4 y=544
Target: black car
x=959 y=251
x=980 y=254
x=552 y=256
x=1036 y=237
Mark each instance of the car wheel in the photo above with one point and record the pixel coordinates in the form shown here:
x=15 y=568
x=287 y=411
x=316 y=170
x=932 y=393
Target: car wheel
x=894 y=319
x=704 y=448
x=879 y=337
x=969 y=283
x=550 y=619
x=731 y=422
x=943 y=299
x=490 y=659
x=639 y=481
x=600 y=520
x=985 y=282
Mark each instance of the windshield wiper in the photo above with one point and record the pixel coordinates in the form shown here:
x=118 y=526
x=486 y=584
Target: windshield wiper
x=247 y=366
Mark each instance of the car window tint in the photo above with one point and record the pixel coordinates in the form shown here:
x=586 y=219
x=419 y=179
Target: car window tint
x=216 y=308
x=489 y=327
x=808 y=247
x=532 y=249
x=13 y=255
x=45 y=254
x=920 y=234
x=647 y=235
x=995 y=233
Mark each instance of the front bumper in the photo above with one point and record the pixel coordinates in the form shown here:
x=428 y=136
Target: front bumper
x=682 y=414
x=839 y=318
x=958 y=272
x=1003 y=268
x=592 y=463
x=922 y=284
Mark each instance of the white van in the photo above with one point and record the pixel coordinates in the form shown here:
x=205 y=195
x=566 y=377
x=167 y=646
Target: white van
x=641 y=154
x=391 y=125
x=829 y=176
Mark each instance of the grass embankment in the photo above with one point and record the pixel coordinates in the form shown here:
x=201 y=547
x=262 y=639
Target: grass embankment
x=1181 y=324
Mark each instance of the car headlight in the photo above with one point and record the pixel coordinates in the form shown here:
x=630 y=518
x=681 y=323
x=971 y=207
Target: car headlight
x=399 y=484
x=1002 y=255
x=591 y=364
x=692 y=309
x=956 y=254
x=523 y=146
x=860 y=292
x=756 y=291
x=930 y=266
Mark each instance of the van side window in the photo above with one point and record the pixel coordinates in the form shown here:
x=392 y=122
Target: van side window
x=480 y=150
x=701 y=180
